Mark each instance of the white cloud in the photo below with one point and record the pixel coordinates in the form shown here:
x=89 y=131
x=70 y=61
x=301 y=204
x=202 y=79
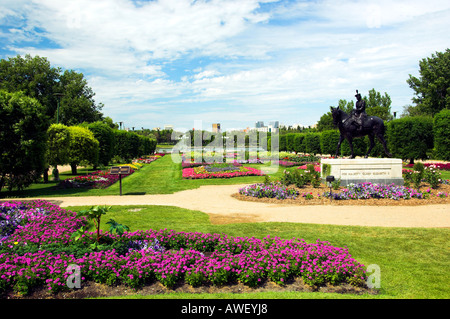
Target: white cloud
x=284 y=60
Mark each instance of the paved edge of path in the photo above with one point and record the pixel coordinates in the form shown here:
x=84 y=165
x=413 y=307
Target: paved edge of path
x=216 y=200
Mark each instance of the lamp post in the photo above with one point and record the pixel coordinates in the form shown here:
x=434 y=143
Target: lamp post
x=55 y=171
x=58 y=95
x=330 y=180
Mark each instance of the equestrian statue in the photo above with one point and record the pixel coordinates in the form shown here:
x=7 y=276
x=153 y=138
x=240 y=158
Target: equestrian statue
x=359 y=124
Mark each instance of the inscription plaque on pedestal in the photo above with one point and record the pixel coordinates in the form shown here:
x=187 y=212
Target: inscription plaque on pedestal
x=374 y=170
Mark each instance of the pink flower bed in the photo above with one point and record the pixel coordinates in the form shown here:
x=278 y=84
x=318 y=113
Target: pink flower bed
x=98 y=179
x=25 y=264
x=190 y=173
x=443 y=166
x=316 y=167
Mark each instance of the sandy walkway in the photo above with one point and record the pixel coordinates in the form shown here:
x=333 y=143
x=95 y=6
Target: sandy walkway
x=218 y=203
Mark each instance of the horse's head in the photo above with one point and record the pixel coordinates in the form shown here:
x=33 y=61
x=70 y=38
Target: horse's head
x=336 y=113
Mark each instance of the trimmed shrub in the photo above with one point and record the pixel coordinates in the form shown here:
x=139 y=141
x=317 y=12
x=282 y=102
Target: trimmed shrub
x=299 y=145
x=83 y=147
x=410 y=137
x=312 y=143
x=328 y=141
x=441 y=127
x=105 y=136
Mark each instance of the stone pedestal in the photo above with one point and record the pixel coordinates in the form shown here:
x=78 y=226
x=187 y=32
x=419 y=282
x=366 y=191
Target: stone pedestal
x=374 y=170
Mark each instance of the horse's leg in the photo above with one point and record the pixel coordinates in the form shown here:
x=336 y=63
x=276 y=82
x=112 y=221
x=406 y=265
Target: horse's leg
x=341 y=138
x=372 y=143
x=383 y=142
x=350 y=142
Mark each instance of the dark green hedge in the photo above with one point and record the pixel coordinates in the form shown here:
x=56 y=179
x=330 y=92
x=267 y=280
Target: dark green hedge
x=441 y=126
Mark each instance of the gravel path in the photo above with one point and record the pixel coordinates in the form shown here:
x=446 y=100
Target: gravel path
x=222 y=208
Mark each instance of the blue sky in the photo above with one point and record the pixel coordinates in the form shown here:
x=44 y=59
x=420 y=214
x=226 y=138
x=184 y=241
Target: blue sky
x=233 y=62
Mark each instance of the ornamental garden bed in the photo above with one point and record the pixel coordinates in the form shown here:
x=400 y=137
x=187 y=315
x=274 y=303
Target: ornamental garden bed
x=97 y=179
x=218 y=170
x=38 y=245
x=358 y=194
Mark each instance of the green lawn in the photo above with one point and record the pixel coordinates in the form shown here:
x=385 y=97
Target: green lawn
x=414 y=262
x=162 y=176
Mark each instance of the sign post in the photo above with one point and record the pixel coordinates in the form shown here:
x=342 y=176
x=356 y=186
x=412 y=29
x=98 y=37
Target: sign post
x=120 y=170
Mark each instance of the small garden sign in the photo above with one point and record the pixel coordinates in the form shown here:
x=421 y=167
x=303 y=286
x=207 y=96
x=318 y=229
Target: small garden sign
x=120 y=170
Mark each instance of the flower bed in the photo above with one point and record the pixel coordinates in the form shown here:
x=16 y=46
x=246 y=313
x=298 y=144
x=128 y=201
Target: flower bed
x=98 y=179
x=218 y=171
x=357 y=194
x=369 y=190
x=148 y=159
x=139 y=258
x=442 y=166
x=273 y=190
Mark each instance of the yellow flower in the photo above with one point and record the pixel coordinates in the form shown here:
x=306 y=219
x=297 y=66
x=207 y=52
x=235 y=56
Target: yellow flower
x=16 y=243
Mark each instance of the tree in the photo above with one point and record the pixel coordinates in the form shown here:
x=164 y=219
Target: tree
x=23 y=139
x=432 y=87
x=83 y=147
x=36 y=78
x=58 y=146
x=378 y=105
x=77 y=105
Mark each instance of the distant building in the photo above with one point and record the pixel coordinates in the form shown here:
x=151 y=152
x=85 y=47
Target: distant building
x=274 y=124
x=259 y=124
x=216 y=127
x=168 y=127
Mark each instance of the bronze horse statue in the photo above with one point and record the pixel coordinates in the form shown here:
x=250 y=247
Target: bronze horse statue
x=349 y=129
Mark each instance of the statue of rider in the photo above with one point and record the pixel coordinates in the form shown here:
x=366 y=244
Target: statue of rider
x=359 y=113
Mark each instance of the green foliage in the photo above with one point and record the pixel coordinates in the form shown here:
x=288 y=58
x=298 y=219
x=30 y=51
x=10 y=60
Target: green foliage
x=441 y=128
x=328 y=141
x=432 y=88
x=105 y=136
x=58 y=144
x=378 y=105
x=312 y=143
x=129 y=145
x=294 y=177
x=299 y=146
x=290 y=142
x=23 y=139
x=83 y=147
x=282 y=146
x=77 y=105
x=36 y=78
x=410 y=137
x=94 y=214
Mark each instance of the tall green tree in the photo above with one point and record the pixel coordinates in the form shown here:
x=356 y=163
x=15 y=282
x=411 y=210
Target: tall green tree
x=23 y=140
x=77 y=104
x=432 y=87
x=378 y=105
x=36 y=78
